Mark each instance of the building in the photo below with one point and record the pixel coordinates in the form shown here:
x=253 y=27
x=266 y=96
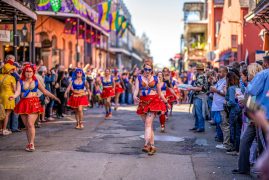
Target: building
x=122 y=48
x=237 y=40
x=14 y=16
x=257 y=15
x=215 y=12
x=71 y=36
x=195 y=31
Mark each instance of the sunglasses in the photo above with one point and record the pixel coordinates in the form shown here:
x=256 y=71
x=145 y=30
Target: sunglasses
x=79 y=72
x=147 y=70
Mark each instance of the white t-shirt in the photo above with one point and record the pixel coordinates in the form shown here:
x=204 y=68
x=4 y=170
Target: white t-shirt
x=218 y=100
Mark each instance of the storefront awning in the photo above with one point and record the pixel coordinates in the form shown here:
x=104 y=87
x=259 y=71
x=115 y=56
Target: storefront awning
x=72 y=15
x=260 y=14
x=225 y=57
x=8 y=7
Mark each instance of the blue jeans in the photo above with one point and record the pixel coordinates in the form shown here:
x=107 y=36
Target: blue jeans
x=235 y=121
x=14 y=118
x=123 y=98
x=199 y=119
x=129 y=98
x=216 y=115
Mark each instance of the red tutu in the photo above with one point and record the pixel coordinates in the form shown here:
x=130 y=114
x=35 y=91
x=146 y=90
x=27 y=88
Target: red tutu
x=76 y=101
x=108 y=92
x=170 y=97
x=29 y=106
x=118 y=89
x=150 y=103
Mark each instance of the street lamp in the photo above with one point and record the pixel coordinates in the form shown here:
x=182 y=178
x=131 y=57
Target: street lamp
x=24 y=35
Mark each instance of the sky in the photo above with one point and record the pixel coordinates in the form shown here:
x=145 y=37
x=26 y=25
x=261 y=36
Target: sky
x=161 y=21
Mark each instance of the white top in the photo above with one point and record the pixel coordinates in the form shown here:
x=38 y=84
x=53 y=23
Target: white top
x=218 y=100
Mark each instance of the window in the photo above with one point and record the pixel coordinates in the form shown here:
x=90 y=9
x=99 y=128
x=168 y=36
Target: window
x=229 y=3
x=234 y=42
x=217 y=28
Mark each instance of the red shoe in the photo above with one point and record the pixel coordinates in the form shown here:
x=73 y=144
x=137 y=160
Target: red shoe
x=152 y=150
x=146 y=148
x=30 y=148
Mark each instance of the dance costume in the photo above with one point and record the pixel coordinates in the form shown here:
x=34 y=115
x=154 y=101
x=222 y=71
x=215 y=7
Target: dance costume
x=108 y=90
x=79 y=97
x=149 y=103
x=118 y=87
x=29 y=105
x=171 y=98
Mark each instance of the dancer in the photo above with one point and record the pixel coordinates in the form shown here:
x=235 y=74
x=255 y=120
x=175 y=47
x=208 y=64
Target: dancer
x=80 y=95
x=170 y=93
x=150 y=103
x=165 y=87
x=108 y=91
x=29 y=106
x=119 y=88
x=97 y=89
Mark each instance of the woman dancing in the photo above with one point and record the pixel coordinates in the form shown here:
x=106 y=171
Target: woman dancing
x=170 y=93
x=80 y=95
x=29 y=106
x=119 y=88
x=149 y=91
x=108 y=92
x=165 y=87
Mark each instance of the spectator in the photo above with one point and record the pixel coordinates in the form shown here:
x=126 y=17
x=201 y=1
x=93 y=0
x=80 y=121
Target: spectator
x=259 y=87
x=219 y=115
x=61 y=86
x=234 y=110
x=200 y=88
x=7 y=89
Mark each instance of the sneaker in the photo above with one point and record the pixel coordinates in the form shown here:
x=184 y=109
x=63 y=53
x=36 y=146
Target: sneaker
x=15 y=130
x=50 y=119
x=233 y=153
x=221 y=146
x=6 y=132
x=30 y=148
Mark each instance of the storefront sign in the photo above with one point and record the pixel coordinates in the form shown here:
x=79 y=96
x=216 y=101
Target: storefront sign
x=4 y=36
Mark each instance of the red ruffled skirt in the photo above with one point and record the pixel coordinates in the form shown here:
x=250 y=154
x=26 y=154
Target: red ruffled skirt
x=170 y=97
x=76 y=101
x=150 y=103
x=108 y=92
x=118 y=89
x=29 y=106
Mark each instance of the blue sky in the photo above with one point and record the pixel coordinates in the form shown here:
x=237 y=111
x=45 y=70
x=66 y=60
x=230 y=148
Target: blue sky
x=161 y=21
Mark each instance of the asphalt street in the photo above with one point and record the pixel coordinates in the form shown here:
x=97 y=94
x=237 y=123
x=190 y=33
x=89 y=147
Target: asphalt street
x=111 y=150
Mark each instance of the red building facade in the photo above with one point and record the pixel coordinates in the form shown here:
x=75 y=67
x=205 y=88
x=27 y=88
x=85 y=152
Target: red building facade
x=230 y=37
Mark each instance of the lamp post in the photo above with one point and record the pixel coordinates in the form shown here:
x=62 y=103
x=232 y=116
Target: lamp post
x=24 y=35
x=100 y=58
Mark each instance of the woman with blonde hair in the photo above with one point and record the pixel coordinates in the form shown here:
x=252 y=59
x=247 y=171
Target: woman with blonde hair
x=253 y=69
x=7 y=89
x=151 y=102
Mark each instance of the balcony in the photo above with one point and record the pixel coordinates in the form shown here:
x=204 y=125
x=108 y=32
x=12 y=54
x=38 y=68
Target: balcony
x=194 y=12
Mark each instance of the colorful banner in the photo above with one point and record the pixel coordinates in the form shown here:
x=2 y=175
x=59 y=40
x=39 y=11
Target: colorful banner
x=104 y=10
x=113 y=17
x=123 y=28
x=43 y=5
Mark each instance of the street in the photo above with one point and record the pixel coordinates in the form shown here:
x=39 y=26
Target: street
x=111 y=149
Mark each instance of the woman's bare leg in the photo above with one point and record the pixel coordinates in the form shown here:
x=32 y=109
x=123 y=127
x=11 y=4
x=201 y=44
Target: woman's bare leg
x=24 y=120
x=8 y=111
x=31 y=127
